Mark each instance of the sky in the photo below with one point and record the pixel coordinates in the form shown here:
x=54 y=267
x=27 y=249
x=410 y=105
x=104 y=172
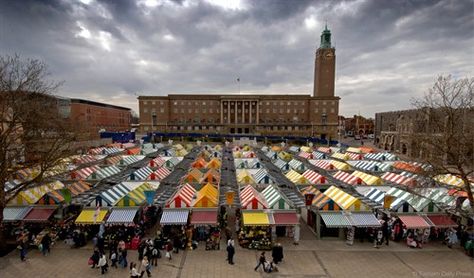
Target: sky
x=387 y=52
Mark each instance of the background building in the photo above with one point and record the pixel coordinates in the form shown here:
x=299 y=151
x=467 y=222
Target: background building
x=358 y=125
x=299 y=115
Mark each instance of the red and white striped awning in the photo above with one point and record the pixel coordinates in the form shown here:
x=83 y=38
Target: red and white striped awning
x=314 y=178
x=323 y=164
x=324 y=149
x=157 y=162
x=159 y=174
x=251 y=199
x=182 y=198
x=347 y=178
x=83 y=173
x=354 y=156
x=398 y=179
x=305 y=155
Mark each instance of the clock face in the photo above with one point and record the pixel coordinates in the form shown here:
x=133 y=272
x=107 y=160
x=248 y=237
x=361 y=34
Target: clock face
x=329 y=54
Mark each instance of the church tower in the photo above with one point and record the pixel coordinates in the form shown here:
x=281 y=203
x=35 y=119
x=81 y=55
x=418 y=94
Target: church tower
x=324 y=67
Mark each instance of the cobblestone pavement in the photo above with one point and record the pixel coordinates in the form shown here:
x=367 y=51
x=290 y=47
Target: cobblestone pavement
x=312 y=258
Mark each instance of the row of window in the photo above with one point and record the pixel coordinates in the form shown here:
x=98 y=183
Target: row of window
x=268 y=110
x=258 y=128
x=267 y=103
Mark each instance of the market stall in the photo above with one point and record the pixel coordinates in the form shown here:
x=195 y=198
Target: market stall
x=205 y=227
x=183 y=197
x=256 y=230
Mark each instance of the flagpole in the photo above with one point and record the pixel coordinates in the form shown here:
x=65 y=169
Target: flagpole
x=238 y=82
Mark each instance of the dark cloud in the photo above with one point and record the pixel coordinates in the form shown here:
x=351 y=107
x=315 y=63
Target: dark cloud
x=110 y=50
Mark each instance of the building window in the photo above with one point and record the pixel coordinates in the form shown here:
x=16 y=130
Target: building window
x=302 y=110
x=153 y=103
x=288 y=111
x=182 y=111
x=175 y=110
x=153 y=110
x=175 y=103
x=268 y=110
x=288 y=103
x=145 y=102
x=210 y=110
x=204 y=111
x=268 y=103
x=190 y=110
x=324 y=102
x=161 y=103
x=324 y=110
x=162 y=110
x=332 y=110
x=324 y=119
x=145 y=110
x=316 y=110
x=203 y=103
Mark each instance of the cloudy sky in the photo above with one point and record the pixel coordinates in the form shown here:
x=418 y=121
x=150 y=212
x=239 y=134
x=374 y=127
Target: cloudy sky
x=112 y=50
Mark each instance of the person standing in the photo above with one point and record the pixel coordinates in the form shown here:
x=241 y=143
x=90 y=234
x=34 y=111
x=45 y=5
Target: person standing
x=22 y=246
x=261 y=261
x=113 y=258
x=124 y=258
x=230 y=252
x=154 y=256
x=169 y=248
x=146 y=266
x=133 y=270
x=95 y=258
x=46 y=243
x=277 y=253
x=103 y=263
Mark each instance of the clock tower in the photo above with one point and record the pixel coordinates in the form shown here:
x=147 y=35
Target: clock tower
x=324 y=67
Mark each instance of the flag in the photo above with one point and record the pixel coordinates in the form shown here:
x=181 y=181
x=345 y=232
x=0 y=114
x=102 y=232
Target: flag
x=96 y=213
x=387 y=201
x=308 y=197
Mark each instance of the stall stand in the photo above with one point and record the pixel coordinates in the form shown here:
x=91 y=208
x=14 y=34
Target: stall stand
x=174 y=224
x=256 y=230
x=205 y=228
x=285 y=223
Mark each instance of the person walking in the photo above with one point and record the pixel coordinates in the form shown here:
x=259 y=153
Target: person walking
x=46 y=243
x=133 y=270
x=154 y=256
x=168 y=248
x=230 y=253
x=261 y=262
x=124 y=258
x=95 y=258
x=145 y=266
x=113 y=258
x=103 y=264
x=23 y=247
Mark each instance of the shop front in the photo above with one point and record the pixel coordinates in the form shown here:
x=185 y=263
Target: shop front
x=205 y=228
x=256 y=230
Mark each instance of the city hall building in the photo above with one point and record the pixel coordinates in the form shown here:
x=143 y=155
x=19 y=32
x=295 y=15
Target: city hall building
x=313 y=115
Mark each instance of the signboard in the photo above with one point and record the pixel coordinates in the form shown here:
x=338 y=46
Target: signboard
x=387 y=201
x=229 y=197
x=149 y=195
x=308 y=198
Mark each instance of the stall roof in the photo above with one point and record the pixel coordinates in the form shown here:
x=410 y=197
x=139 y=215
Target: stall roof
x=256 y=218
x=87 y=216
x=122 y=216
x=204 y=217
x=174 y=217
x=364 y=220
x=285 y=218
x=414 y=221
x=335 y=220
x=14 y=213
x=368 y=179
x=441 y=221
x=38 y=214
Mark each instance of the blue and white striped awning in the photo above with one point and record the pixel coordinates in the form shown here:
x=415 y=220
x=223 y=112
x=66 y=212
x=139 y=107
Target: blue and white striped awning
x=363 y=220
x=381 y=156
x=122 y=216
x=130 y=159
x=141 y=174
x=280 y=164
x=260 y=175
x=296 y=165
x=105 y=172
x=14 y=213
x=172 y=162
x=270 y=154
x=371 y=166
x=111 y=150
x=174 y=217
x=319 y=155
x=294 y=149
x=9 y=185
x=114 y=194
x=375 y=195
x=336 y=219
x=169 y=152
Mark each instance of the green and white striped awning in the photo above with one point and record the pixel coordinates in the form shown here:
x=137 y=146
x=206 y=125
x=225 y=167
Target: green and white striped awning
x=335 y=220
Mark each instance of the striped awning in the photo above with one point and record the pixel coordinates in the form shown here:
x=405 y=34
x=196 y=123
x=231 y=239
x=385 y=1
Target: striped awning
x=122 y=216
x=91 y=216
x=441 y=221
x=414 y=221
x=319 y=155
x=256 y=218
x=335 y=220
x=323 y=164
x=174 y=217
x=39 y=214
x=364 y=220
x=285 y=218
x=14 y=213
x=204 y=217
x=141 y=174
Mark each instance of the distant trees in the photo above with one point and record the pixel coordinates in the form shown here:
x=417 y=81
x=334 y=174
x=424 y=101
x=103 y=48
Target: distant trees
x=445 y=131
x=34 y=134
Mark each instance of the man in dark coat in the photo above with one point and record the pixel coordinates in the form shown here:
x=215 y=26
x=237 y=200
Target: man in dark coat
x=230 y=253
x=277 y=253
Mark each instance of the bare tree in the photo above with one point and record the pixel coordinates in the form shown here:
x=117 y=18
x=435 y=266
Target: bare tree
x=34 y=134
x=444 y=130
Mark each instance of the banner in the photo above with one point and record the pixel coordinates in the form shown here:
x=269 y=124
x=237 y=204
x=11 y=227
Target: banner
x=387 y=201
x=308 y=197
x=149 y=195
x=229 y=197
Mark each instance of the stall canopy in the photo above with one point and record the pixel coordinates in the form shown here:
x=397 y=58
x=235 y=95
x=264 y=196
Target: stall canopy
x=256 y=218
x=251 y=199
x=82 y=174
x=419 y=204
x=347 y=178
x=113 y=160
x=262 y=177
x=320 y=200
x=211 y=176
x=286 y=218
x=122 y=216
x=294 y=149
x=104 y=173
x=407 y=167
x=398 y=179
x=78 y=187
x=199 y=163
x=368 y=179
x=335 y=219
x=319 y=155
x=136 y=197
x=306 y=149
x=381 y=156
x=91 y=216
x=373 y=166
x=204 y=217
x=296 y=177
x=159 y=174
x=244 y=177
x=341 y=156
x=193 y=176
x=112 y=195
x=39 y=214
x=275 y=199
x=414 y=221
x=354 y=150
x=183 y=197
x=375 y=195
x=32 y=195
x=365 y=149
x=324 y=150
x=157 y=162
x=323 y=164
x=314 y=178
x=441 y=221
x=340 y=165
x=207 y=197
x=297 y=165
x=364 y=220
x=281 y=164
x=306 y=155
x=141 y=174
x=450 y=180
x=345 y=200
x=354 y=156
x=215 y=163
x=174 y=217
x=14 y=213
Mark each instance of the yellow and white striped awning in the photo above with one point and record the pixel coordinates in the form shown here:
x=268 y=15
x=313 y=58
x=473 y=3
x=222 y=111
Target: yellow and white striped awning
x=368 y=179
